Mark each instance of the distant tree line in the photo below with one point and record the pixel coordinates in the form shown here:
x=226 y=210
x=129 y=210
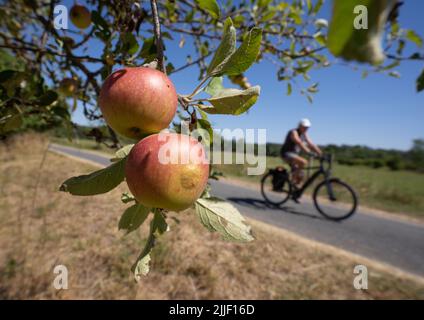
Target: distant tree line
x=412 y=159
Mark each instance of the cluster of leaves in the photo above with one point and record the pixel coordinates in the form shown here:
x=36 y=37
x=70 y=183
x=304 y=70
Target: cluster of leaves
x=26 y=101
x=366 y=45
x=294 y=39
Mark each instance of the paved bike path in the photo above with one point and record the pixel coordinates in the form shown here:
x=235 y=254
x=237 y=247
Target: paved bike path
x=389 y=240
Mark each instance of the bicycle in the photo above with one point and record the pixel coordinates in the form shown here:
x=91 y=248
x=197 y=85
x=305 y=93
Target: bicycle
x=333 y=198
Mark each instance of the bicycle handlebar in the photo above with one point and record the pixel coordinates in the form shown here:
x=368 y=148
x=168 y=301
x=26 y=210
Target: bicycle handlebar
x=325 y=157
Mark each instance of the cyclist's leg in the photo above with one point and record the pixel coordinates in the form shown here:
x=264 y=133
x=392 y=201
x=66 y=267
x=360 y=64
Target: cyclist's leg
x=298 y=164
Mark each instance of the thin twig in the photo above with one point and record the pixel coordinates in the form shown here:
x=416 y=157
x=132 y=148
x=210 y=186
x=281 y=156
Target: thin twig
x=193 y=62
x=158 y=36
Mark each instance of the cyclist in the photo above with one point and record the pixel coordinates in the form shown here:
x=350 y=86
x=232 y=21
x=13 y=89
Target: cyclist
x=296 y=141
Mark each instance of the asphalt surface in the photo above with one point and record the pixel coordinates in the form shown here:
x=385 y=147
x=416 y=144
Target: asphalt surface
x=385 y=239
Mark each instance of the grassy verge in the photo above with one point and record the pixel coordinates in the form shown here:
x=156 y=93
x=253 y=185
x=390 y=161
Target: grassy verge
x=399 y=192
x=43 y=228
x=82 y=143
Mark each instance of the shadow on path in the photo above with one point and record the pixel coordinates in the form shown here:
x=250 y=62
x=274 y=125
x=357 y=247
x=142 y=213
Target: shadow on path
x=262 y=204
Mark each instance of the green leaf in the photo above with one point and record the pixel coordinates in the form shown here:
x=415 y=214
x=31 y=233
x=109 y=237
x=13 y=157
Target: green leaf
x=313 y=88
x=47 y=98
x=169 y=68
x=101 y=25
x=350 y=43
x=203 y=114
x=133 y=217
x=205 y=130
x=392 y=65
x=129 y=43
x=420 y=82
x=297 y=19
x=12 y=122
x=122 y=153
x=97 y=182
x=215 y=86
x=226 y=47
x=158 y=226
x=7 y=75
x=127 y=197
x=309 y=6
x=142 y=267
x=310 y=99
x=289 y=88
x=243 y=57
x=61 y=112
x=320 y=39
x=317 y=6
x=263 y=3
x=148 y=50
x=269 y=15
x=222 y=217
x=394 y=74
x=412 y=36
x=233 y=101
x=210 y=6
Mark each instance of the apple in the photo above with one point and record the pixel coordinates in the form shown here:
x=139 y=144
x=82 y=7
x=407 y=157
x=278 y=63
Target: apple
x=80 y=16
x=68 y=87
x=167 y=170
x=138 y=101
x=109 y=59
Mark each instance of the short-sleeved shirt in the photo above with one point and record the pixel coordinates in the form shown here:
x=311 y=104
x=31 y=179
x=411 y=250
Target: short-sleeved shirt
x=290 y=145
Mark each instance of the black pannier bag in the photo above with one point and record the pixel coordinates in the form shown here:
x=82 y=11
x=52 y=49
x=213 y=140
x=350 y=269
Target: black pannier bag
x=279 y=178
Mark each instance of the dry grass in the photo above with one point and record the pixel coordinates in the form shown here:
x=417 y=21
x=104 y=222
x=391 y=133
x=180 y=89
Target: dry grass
x=41 y=230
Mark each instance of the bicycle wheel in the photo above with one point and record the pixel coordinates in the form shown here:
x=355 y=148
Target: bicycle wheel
x=335 y=199
x=273 y=197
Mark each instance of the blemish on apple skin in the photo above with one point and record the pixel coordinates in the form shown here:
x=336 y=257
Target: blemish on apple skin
x=189 y=180
x=135 y=130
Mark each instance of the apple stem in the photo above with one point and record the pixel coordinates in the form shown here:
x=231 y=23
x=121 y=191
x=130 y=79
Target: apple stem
x=158 y=36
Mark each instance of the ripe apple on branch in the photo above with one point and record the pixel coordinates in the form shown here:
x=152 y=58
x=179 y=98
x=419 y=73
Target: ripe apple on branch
x=138 y=103
x=80 y=16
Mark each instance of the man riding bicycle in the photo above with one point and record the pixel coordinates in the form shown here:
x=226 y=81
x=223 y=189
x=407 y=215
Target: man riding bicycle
x=296 y=141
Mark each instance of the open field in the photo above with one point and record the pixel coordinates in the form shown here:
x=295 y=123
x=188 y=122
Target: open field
x=41 y=227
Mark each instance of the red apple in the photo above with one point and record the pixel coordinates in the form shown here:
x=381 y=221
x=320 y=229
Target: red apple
x=138 y=101
x=68 y=87
x=80 y=16
x=167 y=170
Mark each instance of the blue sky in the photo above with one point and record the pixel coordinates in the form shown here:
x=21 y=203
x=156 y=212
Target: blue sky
x=379 y=111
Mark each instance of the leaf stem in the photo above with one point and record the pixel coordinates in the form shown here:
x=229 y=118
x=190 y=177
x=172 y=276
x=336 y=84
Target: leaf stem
x=199 y=86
